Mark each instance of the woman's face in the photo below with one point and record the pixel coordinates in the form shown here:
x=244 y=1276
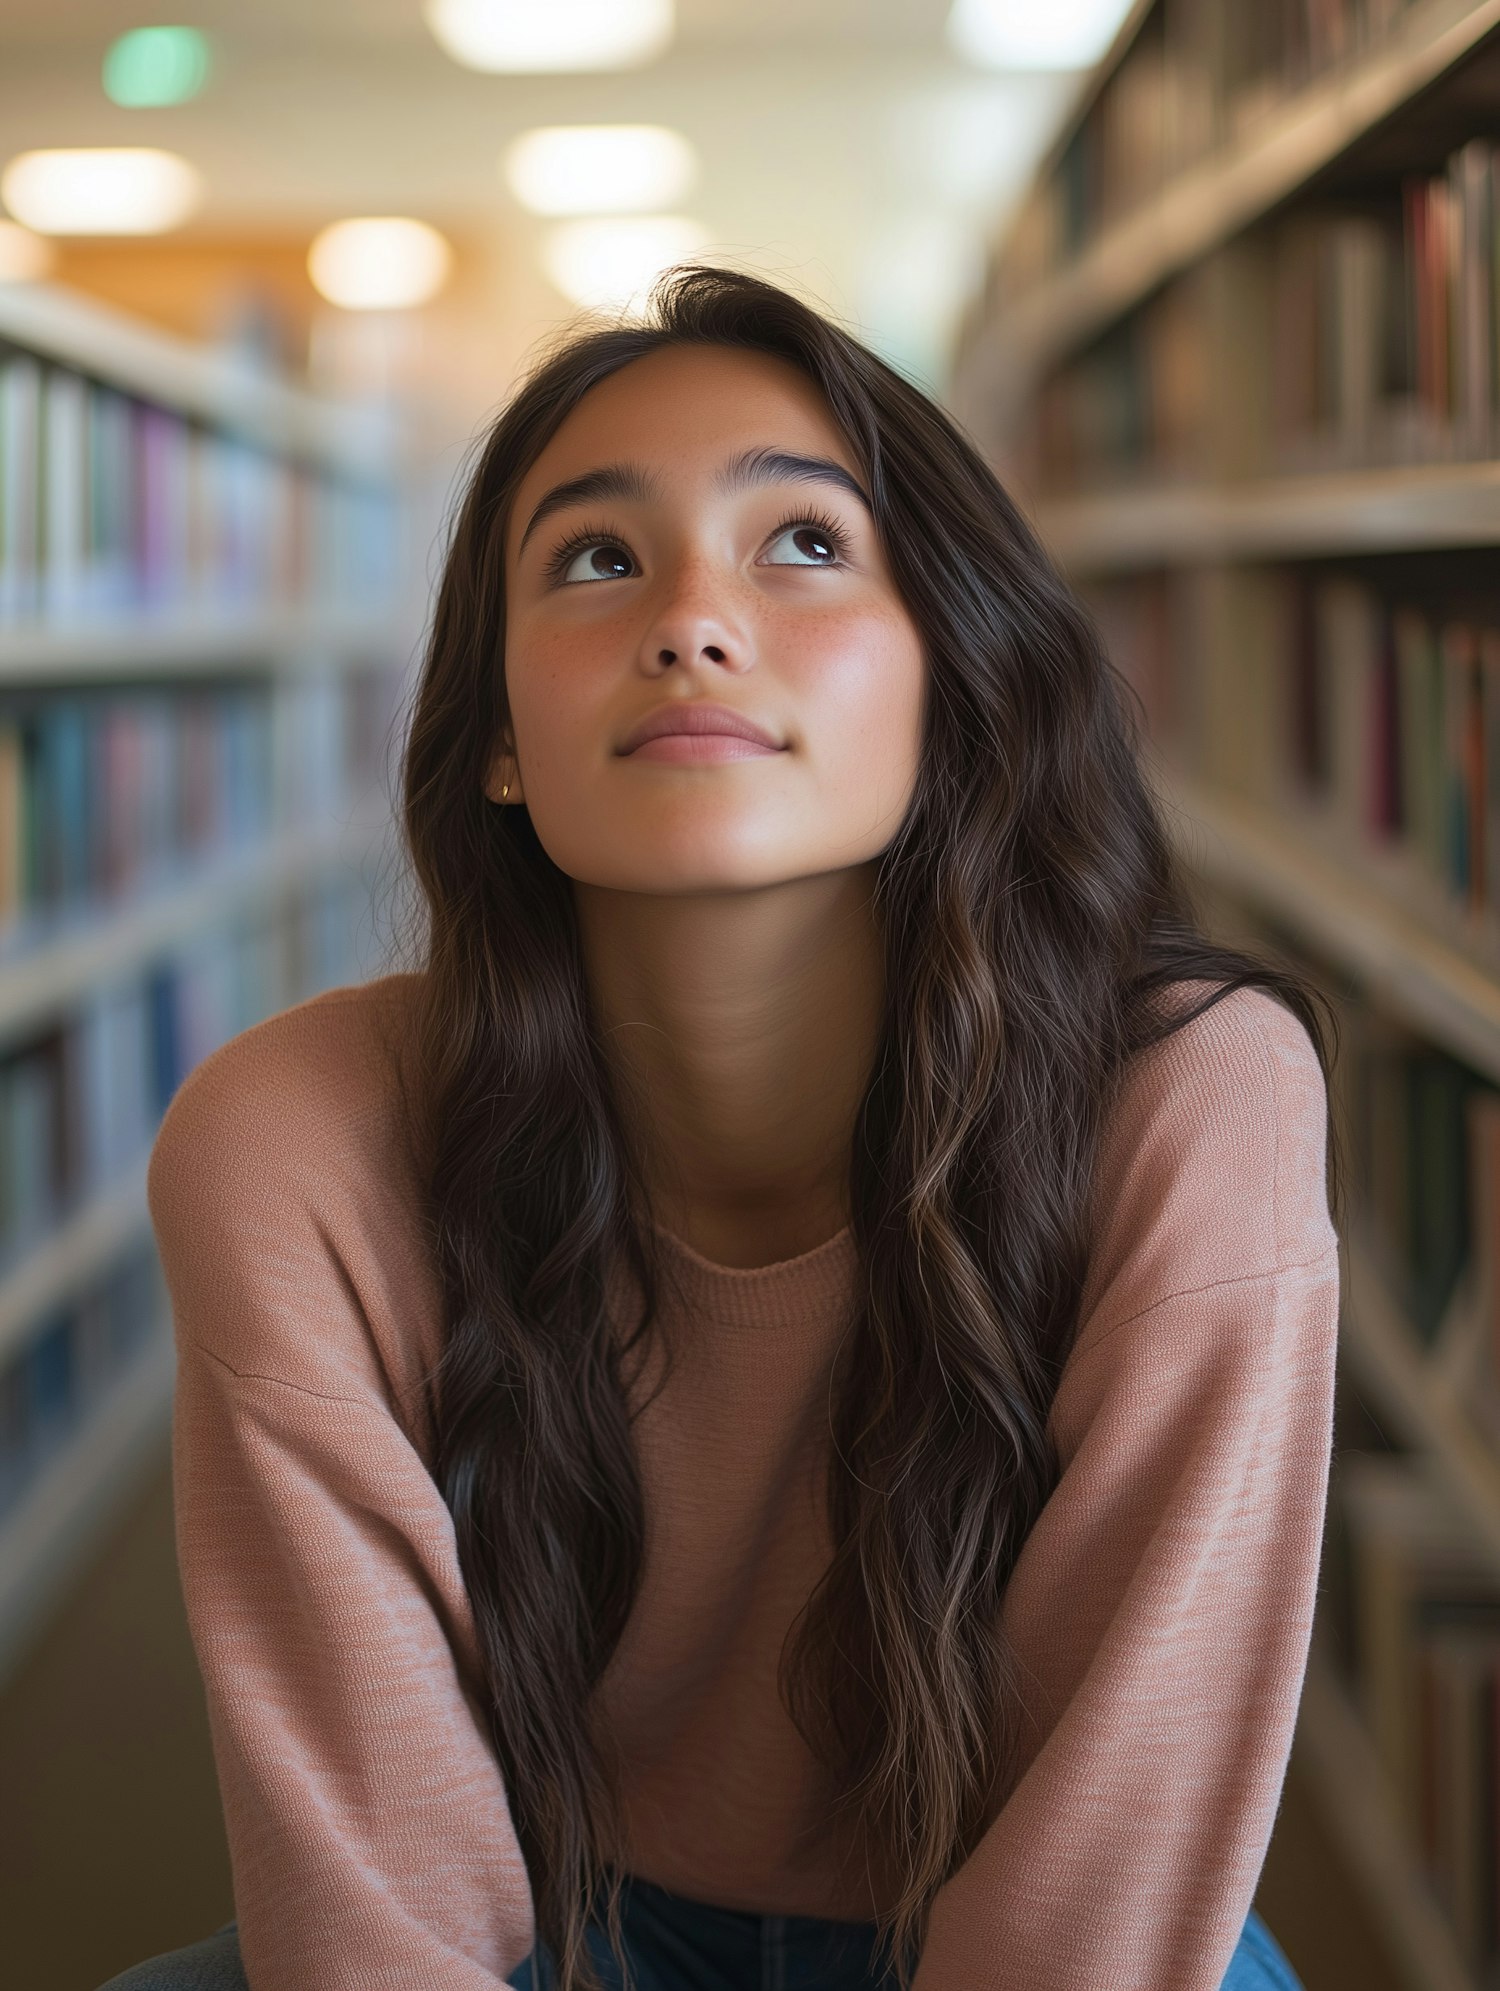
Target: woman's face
x=687 y=587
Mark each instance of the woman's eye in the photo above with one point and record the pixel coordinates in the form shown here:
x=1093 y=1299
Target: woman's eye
x=821 y=546
x=594 y=556
x=601 y=560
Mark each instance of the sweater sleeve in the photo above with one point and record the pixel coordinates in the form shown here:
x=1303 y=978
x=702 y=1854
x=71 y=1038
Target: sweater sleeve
x=1160 y=1611
x=369 y=1834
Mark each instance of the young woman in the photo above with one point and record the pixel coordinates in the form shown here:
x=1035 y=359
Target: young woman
x=760 y=1416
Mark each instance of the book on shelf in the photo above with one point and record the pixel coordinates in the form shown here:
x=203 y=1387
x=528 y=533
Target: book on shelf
x=1458 y=1666
x=1415 y=1119
x=1425 y=1664
x=1481 y=1376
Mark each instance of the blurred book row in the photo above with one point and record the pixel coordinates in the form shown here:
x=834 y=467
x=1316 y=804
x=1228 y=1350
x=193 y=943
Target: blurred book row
x=109 y=502
x=185 y=847
x=73 y=1363
x=1369 y=717
x=81 y=1098
x=108 y=794
x=1325 y=340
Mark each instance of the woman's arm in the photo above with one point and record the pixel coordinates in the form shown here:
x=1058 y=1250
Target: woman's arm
x=1161 y=1608
x=369 y=1833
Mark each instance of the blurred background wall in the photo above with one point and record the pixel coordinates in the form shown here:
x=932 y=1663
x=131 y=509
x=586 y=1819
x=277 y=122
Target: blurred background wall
x=1216 y=290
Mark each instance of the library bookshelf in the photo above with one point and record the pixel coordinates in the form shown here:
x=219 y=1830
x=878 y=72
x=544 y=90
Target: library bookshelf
x=1237 y=355
x=208 y=604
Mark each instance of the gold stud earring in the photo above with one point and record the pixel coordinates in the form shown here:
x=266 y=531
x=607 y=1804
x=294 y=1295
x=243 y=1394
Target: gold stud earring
x=504 y=791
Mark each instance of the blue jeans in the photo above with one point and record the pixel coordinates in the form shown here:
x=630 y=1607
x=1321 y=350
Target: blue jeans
x=678 y=1945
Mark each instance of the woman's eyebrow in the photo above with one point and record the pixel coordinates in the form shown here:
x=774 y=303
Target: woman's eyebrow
x=634 y=482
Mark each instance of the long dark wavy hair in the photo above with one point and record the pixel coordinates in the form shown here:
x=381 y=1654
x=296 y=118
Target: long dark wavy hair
x=1032 y=913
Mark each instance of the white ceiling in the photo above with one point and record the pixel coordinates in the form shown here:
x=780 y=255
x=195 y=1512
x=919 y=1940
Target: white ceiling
x=839 y=139
x=343 y=23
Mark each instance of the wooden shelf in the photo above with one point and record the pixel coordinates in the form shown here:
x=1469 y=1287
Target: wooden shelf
x=97 y=946
x=1360 y=511
x=80 y=1490
x=1206 y=204
x=1352 y=1791
x=1421 y=1401
x=111 y=346
x=1340 y=917
x=132 y=646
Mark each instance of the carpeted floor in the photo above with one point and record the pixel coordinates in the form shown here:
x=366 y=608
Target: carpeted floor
x=111 y=1843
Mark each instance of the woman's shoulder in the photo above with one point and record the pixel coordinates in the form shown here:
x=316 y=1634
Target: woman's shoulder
x=318 y=1082
x=306 y=1112
x=1243 y=1056
x=1212 y=1162
x=283 y=1194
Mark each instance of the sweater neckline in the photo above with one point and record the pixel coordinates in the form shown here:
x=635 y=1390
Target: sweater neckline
x=778 y=1268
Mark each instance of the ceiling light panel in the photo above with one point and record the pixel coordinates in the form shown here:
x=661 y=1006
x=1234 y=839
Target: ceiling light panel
x=523 y=36
x=379 y=262
x=609 y=265
x=101 y=190
x=600 y=169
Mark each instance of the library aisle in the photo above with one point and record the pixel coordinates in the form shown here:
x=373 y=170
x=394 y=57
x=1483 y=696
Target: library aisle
x=1237 y=351
x=205 y=611
x=1217 y=290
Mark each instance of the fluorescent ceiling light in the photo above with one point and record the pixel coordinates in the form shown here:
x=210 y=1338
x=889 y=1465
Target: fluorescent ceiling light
x=101 y=190
x=150 y=66
x=600 y=168
x=605 y=265
x=531 y=35
x=379 y=262
x=24 y=257
x=1018 y=34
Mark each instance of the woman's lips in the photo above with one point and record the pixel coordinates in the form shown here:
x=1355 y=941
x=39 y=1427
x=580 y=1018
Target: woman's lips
x=698 y=746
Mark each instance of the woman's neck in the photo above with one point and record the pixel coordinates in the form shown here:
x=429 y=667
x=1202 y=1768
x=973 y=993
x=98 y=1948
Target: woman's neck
x=741 y=1029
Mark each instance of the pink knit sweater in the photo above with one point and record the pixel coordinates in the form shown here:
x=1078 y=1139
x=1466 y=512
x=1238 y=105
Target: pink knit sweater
x=1160 y=1610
